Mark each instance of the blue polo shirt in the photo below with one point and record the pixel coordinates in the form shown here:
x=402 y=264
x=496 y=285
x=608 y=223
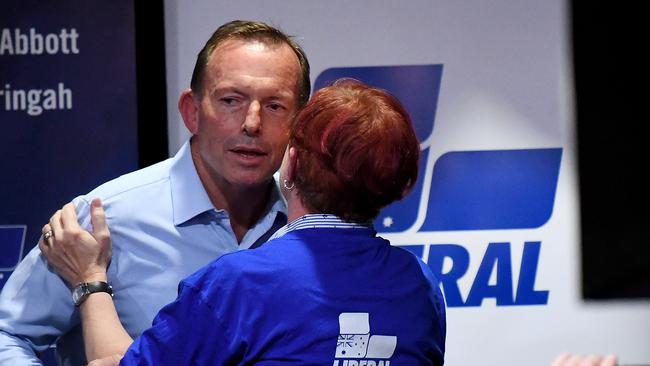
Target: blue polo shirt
x=336 y=296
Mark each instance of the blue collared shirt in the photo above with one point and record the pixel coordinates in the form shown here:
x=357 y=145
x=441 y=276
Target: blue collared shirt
x=163 y=228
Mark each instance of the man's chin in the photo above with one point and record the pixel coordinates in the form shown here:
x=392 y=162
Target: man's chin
x=252 y=181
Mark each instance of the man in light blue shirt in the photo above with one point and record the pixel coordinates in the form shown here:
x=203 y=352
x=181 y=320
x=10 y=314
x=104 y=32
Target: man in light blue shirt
x=215 y=196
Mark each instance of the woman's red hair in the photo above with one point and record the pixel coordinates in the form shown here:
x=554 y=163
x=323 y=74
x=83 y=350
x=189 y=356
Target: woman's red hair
x=357 y=151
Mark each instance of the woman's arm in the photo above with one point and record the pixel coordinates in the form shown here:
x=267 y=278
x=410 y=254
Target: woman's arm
x=103 y=332
x=80 y=257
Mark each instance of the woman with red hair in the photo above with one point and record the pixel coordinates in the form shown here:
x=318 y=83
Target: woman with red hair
x=324 y=290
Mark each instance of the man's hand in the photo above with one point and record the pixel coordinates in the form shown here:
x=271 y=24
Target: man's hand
x=107 y=361
x=77 y=255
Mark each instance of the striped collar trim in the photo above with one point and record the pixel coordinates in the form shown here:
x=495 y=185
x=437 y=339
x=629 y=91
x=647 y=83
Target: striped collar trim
x=318 y=221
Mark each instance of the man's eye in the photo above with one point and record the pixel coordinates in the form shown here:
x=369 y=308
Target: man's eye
x=228 y=101
x=275 y=106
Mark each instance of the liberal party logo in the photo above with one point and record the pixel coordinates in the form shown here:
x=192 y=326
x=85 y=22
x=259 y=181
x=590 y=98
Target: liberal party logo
x=355 y=346
x=12 y=240
x=464 y=191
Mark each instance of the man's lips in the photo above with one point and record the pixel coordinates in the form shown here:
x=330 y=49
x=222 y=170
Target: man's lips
x=249 y=153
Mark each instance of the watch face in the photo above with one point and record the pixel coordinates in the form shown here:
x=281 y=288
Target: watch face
x=78 y=294
x=81 y=291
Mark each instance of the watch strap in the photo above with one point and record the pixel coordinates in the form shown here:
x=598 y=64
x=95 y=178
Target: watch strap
x=84 y=289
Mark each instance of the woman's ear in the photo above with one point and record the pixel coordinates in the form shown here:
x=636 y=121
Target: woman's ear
x=293 y=163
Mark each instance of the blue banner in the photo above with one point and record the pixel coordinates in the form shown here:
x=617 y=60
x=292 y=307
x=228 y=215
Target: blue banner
x=67 y=110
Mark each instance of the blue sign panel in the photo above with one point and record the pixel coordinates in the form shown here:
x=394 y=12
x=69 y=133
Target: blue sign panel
x=12 y=239
x=500 y=189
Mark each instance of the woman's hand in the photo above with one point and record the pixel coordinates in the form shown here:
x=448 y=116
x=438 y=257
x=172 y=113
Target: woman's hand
x=76 y=254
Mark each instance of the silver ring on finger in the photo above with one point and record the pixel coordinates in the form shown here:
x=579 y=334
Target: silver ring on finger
x=47 y=236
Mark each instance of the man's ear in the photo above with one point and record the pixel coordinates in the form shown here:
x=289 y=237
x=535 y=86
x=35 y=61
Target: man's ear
x=293 y=163
x=188 y=106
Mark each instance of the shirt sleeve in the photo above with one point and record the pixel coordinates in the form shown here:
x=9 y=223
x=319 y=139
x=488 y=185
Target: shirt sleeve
x=187 y=331
x=438 y=302
x=35 y=307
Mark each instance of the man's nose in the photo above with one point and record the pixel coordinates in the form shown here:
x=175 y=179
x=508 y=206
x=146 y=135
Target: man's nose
x=253 y=122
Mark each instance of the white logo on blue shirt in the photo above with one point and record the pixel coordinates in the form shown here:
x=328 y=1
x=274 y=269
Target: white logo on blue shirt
x=356 y=347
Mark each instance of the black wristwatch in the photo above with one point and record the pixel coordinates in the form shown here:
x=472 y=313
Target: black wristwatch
x=82 y=290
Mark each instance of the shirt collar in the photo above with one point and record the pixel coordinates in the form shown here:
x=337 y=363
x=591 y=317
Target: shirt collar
x=318 y=221
x=189 y=197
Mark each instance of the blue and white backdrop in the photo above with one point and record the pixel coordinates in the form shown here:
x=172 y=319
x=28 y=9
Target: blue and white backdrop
x=495 y=212
x=488 y=84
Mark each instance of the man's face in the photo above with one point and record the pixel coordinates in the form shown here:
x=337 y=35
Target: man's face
x=249 y=95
